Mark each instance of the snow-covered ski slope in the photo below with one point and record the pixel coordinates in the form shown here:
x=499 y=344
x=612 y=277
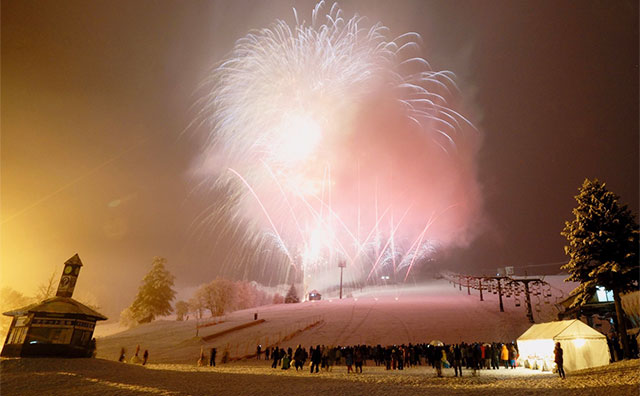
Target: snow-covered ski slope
x=434 y=310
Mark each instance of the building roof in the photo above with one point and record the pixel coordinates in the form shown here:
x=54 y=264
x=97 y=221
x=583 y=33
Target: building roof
x=60 y=305
x=560 y=330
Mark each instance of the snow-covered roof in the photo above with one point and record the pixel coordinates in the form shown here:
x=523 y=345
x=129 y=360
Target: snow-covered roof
x=62 y=305
x=560 y=330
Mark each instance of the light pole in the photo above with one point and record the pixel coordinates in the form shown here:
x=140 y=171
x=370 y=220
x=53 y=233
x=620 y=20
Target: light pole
x=341 y=264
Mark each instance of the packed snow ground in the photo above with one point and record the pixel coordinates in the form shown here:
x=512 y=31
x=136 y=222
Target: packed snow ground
x=85 y=377
x=435 y=310
x=386 y=315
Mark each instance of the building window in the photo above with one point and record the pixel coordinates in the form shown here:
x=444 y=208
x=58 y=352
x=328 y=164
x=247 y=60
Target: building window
x=603 y=295
x=49 y=335
x=81 y=337
x=17 y=335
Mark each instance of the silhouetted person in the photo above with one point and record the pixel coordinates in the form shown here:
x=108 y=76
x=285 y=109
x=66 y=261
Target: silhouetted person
x=457 y=360
x=275 y=356
x=212 y=357
x=121 y=359
x=316 y=358
x=145 y=357
x=558 y=358
x=92 y=348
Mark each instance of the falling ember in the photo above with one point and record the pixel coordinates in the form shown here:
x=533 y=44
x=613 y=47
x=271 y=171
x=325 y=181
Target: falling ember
x=343 y=145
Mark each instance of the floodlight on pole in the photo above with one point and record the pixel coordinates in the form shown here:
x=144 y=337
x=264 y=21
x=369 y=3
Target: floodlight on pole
x=341 y=264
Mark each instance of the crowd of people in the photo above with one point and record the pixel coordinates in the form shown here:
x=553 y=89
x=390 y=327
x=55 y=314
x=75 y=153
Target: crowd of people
x=135 y=359
x=474 y=356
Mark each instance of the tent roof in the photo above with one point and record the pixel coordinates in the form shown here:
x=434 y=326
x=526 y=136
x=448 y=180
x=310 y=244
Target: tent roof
x=560 y=330
x=62 y=305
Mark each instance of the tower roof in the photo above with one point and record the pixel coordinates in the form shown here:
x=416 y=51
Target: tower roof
x=75 y=260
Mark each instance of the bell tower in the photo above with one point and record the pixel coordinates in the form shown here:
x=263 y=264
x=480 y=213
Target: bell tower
x=69 y=276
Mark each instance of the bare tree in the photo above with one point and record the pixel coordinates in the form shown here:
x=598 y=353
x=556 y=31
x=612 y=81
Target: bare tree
x=47 y=289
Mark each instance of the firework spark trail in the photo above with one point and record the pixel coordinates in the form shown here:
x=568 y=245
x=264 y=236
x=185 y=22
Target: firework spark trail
x=389 y=240
x=266 y=213
x=327 y=122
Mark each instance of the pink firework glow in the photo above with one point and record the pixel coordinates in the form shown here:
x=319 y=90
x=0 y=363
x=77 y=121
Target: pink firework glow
x=337 y=144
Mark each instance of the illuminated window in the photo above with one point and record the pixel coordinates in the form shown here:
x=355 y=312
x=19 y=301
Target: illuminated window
x=603 y=295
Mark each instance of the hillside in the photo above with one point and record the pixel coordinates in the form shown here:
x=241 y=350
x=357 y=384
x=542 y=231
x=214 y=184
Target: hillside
x=383 y=315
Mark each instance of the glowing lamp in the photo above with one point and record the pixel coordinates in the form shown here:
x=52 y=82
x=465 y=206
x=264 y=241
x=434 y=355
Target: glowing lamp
x=579 y=342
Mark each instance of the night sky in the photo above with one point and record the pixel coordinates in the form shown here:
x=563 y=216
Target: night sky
x=97 y=99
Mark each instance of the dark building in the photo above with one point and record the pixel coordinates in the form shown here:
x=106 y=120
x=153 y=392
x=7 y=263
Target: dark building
x=59 y=326
x=315 y=296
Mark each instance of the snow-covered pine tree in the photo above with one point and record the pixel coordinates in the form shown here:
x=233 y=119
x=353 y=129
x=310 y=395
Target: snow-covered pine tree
x=292 y=295
x=155 y=294
x=602 y=248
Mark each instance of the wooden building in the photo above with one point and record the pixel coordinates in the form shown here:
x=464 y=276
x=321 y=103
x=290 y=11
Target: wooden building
x=59 y=326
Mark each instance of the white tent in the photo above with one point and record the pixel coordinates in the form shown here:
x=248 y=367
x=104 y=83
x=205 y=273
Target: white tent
x=582 y=345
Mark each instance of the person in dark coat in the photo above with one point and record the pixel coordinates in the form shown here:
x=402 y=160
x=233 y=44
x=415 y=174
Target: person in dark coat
x=299 y=358
x=457 y=360
x=387 y=358
x=212 y=357
x=477 y=358
x=275 y=355
x=92 y=348
x=358 y=359
x=145 y=357
x=558 y=358
x=438 y=362
x=495 y=356
x=121 y=359
x=348 y=359
x=316 y=358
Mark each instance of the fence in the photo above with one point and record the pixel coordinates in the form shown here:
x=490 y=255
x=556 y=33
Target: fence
x=247 y=350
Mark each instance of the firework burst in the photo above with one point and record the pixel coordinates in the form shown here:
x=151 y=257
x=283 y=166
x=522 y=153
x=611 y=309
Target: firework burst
x=335 y=143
